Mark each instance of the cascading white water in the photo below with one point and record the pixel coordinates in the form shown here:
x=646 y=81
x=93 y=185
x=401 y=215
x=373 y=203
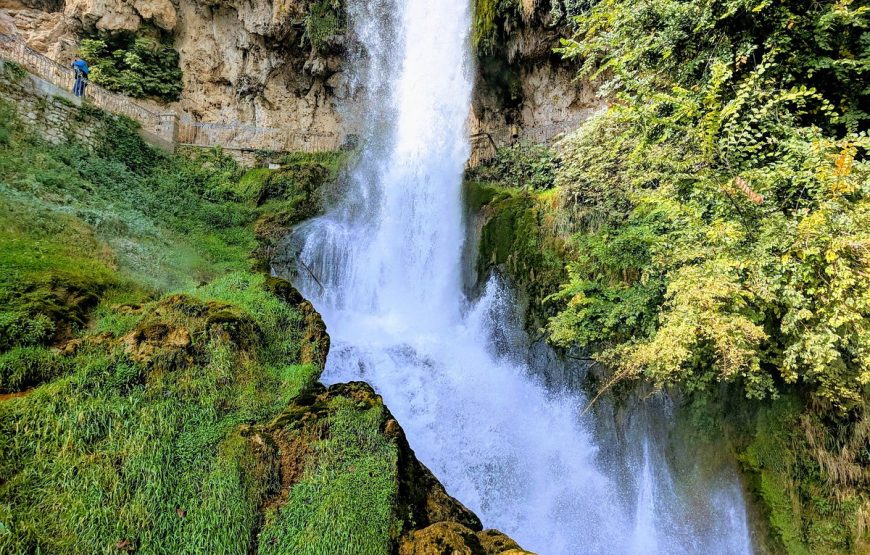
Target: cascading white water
x=383 y=268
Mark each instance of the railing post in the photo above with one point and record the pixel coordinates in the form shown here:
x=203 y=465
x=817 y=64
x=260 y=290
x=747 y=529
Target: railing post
x=168 y=126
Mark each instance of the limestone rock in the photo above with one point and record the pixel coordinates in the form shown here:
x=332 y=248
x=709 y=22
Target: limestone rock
x=249 y=61
x=7 y=24
x=452 y=538
x=103 y=15
x=443 y=538
x=494 y=541
x=241 y=62
x=160 y=12
x=45 y=32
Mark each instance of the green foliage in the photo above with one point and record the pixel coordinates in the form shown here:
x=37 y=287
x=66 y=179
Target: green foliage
x=519 y=238
x=71 y=218
x=649 y=46
x=135 y=65
x=119 y=451
x=22 y=367
x=739 y=213
x=133 y=430
x=489 y=18
x=13 y=71
x=564 y=11
x=522 y=165
x=324 y=22
x=721 y=210
x=343 y=504
x=807 y=470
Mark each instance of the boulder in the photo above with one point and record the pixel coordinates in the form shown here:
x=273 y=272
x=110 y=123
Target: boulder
x=442 y=538
x=452 y=538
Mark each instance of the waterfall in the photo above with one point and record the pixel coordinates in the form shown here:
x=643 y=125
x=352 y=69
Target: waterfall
x=389 y=286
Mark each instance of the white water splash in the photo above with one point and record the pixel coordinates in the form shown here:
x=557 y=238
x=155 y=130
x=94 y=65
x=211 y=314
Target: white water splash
x=387 y=261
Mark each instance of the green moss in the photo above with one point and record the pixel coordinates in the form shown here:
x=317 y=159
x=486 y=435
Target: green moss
x=795 y=498
x=488 y=15
x=804 y=513
x=251 y=183
x=151 y=439
x=51 y=274
x=324 y=22
x=343 y=503
x=518 y=237
x=478 y=194
x=23 y=367
x=168 y=346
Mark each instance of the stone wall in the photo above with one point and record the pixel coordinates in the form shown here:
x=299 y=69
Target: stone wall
x=244 y=61
x=56 y=115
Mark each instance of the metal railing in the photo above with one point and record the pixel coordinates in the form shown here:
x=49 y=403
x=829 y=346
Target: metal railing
x=248 y=137
x=176 y=130
x=44 y=67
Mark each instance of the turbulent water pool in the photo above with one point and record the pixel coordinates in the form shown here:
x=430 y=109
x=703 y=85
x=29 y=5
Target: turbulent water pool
x=389 y=286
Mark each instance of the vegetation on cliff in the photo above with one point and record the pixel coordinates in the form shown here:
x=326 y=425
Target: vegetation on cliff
x=738 y=190
x=158 y=388
x=716 y=228
x=142 y=64
x=325 y=24
x=144 y=355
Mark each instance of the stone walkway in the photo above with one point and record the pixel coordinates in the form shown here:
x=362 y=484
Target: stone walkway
x=169 y=127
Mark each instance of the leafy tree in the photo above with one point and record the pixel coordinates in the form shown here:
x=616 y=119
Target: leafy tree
x=723 y=199
x=135 y=65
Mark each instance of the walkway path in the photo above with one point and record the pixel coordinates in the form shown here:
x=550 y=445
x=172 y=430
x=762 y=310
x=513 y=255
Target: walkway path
x=169 y=126
x=171 y=130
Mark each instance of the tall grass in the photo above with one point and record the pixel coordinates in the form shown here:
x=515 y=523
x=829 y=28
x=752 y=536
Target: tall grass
x=113 y=453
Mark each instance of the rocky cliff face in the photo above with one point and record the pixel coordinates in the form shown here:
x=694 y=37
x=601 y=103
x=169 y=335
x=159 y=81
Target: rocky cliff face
x=524 y=89
x=279 y=63
x=246 y=62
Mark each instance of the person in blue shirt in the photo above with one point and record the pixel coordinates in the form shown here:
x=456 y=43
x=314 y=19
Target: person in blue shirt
x=81 y=71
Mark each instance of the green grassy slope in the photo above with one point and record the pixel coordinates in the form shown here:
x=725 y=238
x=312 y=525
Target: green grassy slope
x=140 y=337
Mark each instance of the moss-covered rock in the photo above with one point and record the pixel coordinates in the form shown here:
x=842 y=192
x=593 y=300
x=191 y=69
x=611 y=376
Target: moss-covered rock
x=519 y=238
x=288 y=196
x=380 y=496
x=455 y=539
x=50 y=308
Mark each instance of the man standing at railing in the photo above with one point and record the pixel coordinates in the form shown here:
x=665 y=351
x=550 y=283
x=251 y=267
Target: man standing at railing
x=81 y=70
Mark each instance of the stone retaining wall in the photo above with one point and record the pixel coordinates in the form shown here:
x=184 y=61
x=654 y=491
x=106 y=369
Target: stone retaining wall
x=55 y=113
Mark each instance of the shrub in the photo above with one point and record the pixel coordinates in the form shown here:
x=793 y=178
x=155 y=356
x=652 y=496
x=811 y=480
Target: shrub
x=523 y=165
x=135 y=65
x=324 y=21
x=741 y=196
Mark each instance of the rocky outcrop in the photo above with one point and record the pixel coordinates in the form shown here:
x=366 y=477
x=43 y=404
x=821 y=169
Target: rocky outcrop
x=42 y=26
x=248 y=62
x=429 y=521
x=524 y=89
x=452 y=538
x=256 y=63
